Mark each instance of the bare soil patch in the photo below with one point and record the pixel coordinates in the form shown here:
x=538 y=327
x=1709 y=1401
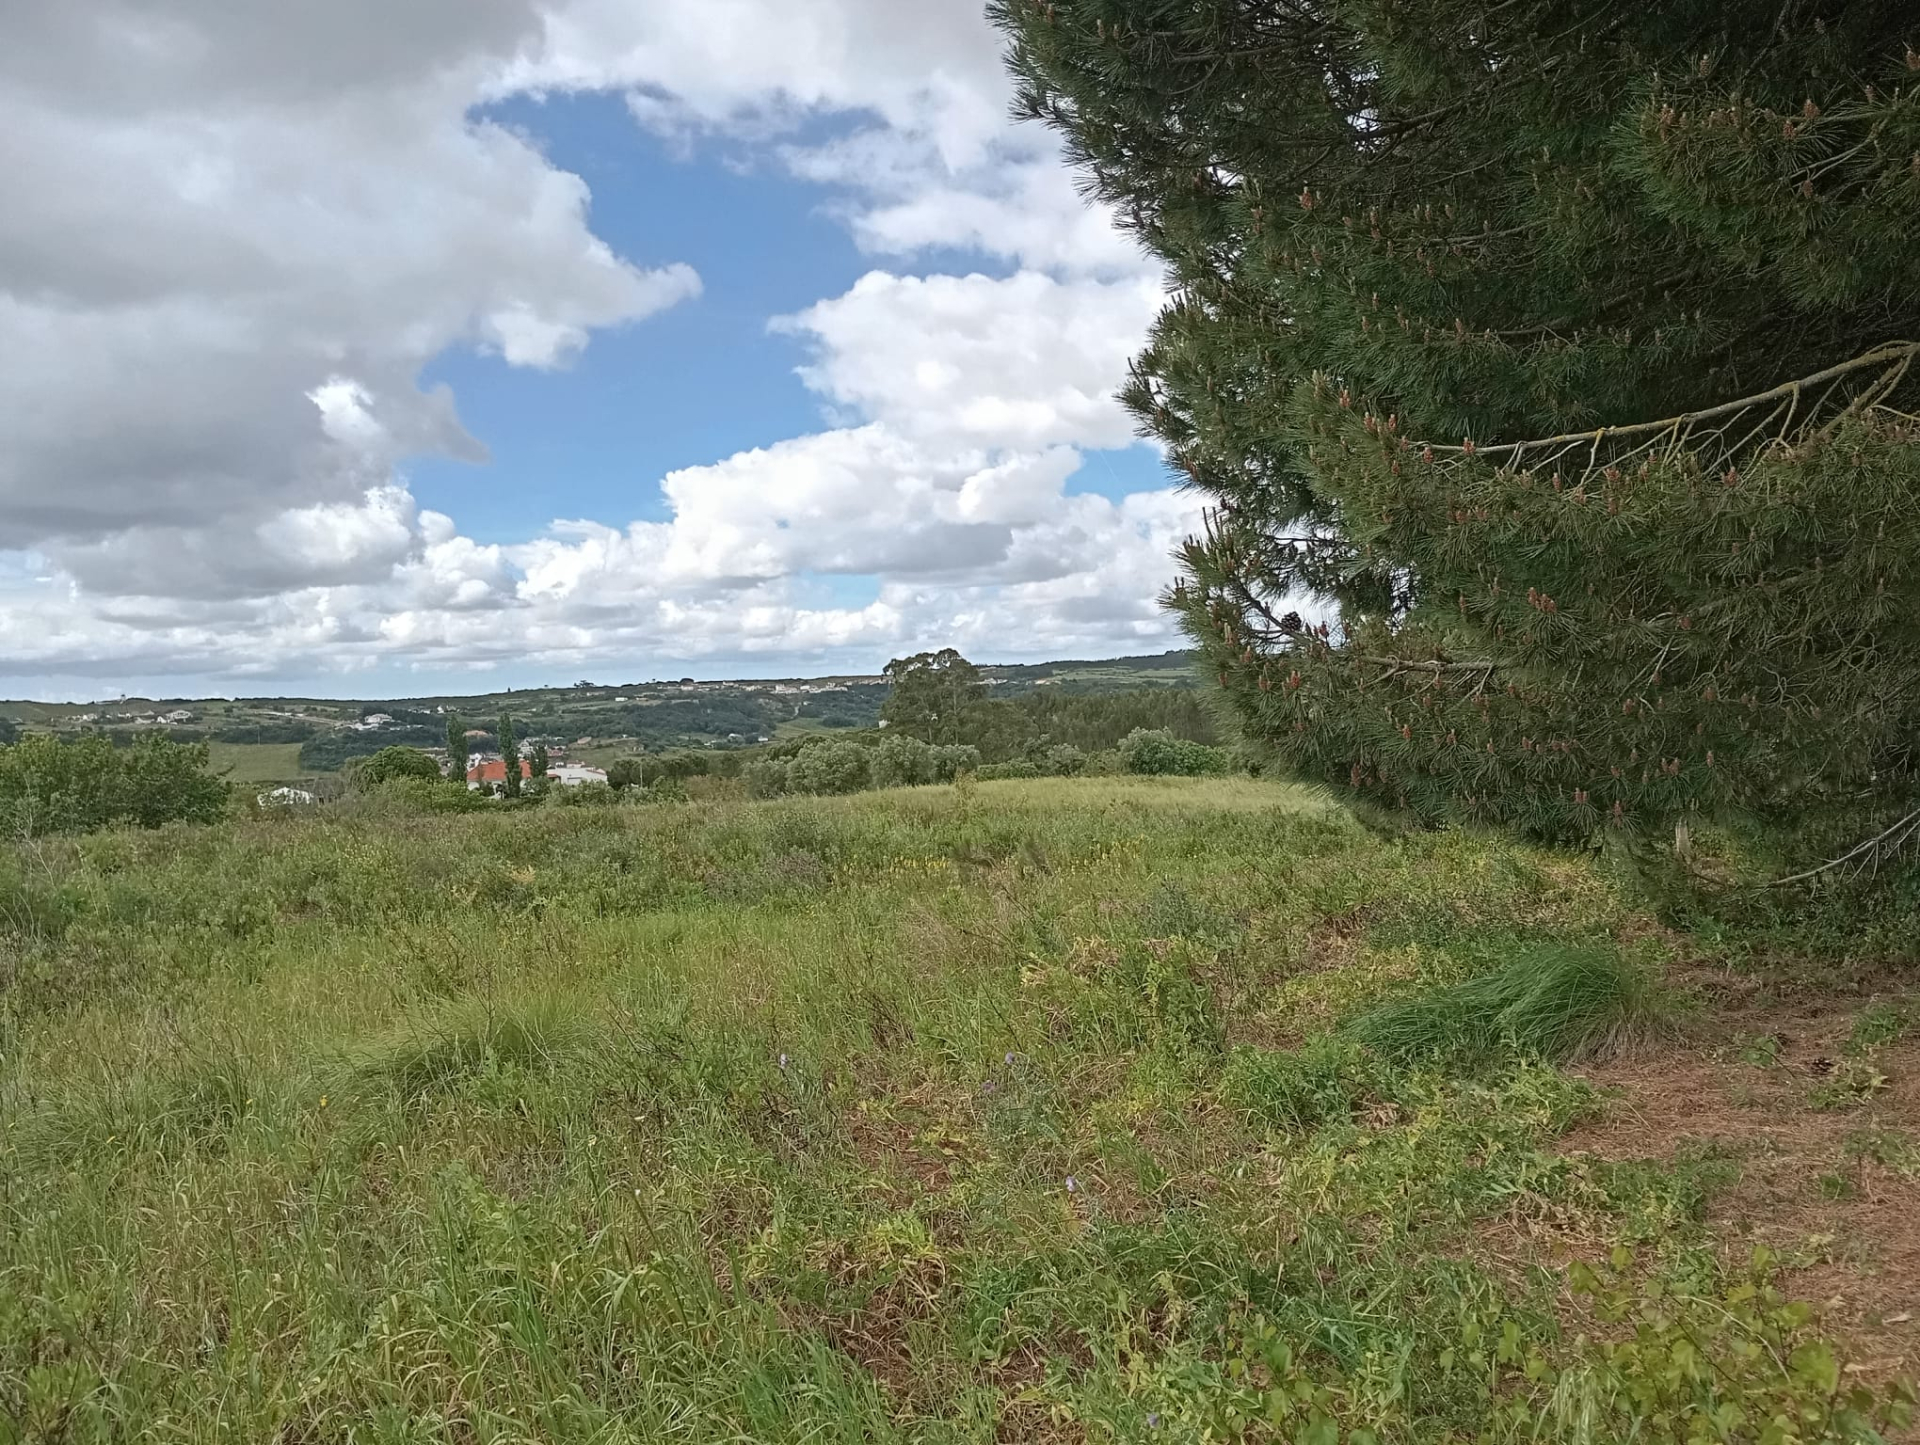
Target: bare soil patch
x=1777 y=1088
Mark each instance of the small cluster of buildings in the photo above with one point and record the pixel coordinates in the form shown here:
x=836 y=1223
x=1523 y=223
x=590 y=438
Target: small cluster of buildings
x=139 y=719
x=493 y=772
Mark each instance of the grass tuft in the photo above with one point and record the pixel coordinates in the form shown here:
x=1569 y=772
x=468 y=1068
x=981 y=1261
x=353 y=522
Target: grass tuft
x=1551 y=1002
x=472 y=1036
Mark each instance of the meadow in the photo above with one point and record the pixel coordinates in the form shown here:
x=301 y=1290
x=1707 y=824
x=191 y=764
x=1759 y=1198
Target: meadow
x=1072 y=1109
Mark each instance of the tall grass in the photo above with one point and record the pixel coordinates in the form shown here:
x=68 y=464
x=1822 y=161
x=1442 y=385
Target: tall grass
x=944 y=1114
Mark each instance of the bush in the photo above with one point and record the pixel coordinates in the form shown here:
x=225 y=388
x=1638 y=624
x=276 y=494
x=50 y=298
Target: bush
x=626 y=773
x=1060 y=761
x=835 y=766
x=767 y=777
x=50 y=786
x=391 y=763
x=902 y=762
x=1157 y=752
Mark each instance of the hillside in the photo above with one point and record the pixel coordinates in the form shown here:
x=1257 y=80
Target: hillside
x=589 y=722
x=1108 y=1109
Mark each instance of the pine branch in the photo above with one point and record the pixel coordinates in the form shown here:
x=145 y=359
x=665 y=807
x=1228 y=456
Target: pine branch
x=1881 y=845
x=1892 y=354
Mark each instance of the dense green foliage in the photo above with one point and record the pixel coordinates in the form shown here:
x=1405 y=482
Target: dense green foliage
x=843 y=765
x=456 y=747
x=391 y=763
x=931 y=695
x=1158 y=753
x=48 y=785
x=509 y=755
x=1006 y=729
x=1016 y=1112
x=1563 y=351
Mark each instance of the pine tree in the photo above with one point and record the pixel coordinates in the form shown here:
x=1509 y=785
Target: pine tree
x=537 y=765
x=1562 y=354
x=456 y=748
x=510 y=756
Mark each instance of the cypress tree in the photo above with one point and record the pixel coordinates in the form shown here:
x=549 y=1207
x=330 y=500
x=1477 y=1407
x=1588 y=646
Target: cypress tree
x=1549 y=371
x=456 y=748
x=510 y=756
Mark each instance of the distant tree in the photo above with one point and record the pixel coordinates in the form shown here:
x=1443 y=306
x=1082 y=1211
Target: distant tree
x=537 y=761
x=391 y=763
x=510 y=755
x=626 y=773
x=9 y=731
x=456 y=748
x=932 y=693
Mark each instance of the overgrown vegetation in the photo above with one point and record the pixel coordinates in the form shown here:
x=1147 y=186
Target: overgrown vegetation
x=48 y=785
x=1073 y=1109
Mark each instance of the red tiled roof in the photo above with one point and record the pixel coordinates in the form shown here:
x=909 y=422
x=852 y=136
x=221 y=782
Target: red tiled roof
x=496 y=771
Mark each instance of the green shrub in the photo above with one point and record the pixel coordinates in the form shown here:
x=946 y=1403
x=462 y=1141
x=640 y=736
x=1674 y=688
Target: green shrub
x=391 y=763
x=1156 y=752
x=51 y=786
x=950 y=760
x=834 y=766
x=767 y=777
x=1060 y=761
x=902 y=762
x=1551 y=1002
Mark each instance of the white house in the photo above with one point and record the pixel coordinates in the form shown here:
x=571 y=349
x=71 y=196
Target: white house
x=286 y=798
x=572 y=775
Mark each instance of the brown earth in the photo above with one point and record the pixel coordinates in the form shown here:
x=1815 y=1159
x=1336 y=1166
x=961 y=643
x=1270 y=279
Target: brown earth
x=1776 y=1087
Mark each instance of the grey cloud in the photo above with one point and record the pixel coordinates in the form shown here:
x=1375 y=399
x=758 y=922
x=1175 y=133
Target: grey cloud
x=215 y=209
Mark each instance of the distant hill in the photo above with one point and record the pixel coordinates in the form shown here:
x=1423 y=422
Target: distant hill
x=261 y=737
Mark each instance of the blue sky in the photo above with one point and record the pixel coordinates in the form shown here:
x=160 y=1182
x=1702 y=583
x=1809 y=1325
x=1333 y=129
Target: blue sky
x=570 y=337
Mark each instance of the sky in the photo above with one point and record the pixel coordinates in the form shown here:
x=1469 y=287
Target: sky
x=366 y=350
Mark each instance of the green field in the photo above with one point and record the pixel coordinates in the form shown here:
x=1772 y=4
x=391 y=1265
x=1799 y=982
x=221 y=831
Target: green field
x=258 y=762
x=1118 y=1109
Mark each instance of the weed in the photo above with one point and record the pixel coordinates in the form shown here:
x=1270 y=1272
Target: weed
x=1762 y=1051
x=1878 y=1025
x=1851 y=1081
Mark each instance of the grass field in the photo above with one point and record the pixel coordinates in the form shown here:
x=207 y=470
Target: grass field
x=1112 y=1109
x=249 y=763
